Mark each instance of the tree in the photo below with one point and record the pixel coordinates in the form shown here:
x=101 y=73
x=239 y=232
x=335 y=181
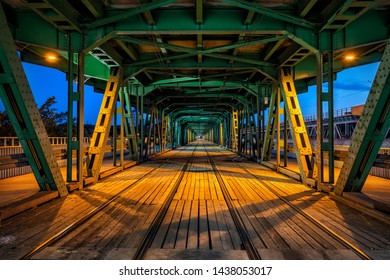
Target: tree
x=6 y=128
x=54 y=122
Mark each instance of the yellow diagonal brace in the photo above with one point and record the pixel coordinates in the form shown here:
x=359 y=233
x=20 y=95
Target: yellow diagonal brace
x=301 y=141
x=103 y=124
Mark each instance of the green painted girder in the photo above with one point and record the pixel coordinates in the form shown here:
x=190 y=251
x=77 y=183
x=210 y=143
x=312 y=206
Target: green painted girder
x=271 y=13
x=304 y=7
x=216 y=24
x=205 y=96
x=210 y=51
x=174 y=80
x=208 y=90
x=22 y=110
x=128 y=14
x=204 y=84
x=96 y=7
x=199 y=11
x=202 y=112
x=56 y=12
x=205 y=106
x=369 y=133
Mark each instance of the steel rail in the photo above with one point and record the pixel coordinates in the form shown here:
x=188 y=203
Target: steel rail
x=250 y=248
x=157 y=221
x=58 y=236
x=320 y=225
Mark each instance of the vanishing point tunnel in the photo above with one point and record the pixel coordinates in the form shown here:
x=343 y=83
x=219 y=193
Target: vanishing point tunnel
x=200 y=149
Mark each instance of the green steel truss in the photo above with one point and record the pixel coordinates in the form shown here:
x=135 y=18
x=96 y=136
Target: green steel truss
x=300 y=138
x=272 y=124
x=234 y=130
x=20 y=105
x=129 y=127
x=183 y=56
x=103 y=124
x=369 y=133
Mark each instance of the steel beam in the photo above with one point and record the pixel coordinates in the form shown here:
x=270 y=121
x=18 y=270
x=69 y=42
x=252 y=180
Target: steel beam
x=272 y=123
x=103 y=125
x=128 y=122
x=301 y=141
x=128 y=14
x=234 y=130
x=20 y=105
x=271 y=13
x=56 y=12
x=369 y=133
x=96 y=7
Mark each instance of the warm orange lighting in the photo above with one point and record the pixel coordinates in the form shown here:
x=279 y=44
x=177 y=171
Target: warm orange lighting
x=51 y=57
x=350 y=57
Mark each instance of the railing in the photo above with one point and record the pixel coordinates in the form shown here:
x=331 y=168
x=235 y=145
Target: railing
x=355 y=110
x=8 y=142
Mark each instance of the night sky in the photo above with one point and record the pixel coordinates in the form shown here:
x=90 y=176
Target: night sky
x=351 y=88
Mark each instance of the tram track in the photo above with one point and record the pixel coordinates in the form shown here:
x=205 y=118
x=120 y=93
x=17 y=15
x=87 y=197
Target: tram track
x=321 y=226
x=85 y=218
x=248 y=245
x=160 y=213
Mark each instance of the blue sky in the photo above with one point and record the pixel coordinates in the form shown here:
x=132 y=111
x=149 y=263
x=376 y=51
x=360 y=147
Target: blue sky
x=351 y=88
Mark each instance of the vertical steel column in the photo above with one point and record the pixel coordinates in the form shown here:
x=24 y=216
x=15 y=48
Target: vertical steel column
x=130 y=130
x=285 y=136
x=278 y=130
x=369 y=133
x=114 y=133
x=121 y=112
x=221 y=134
x=234 y=130
x=103 y=124
x=80 y=118
x=142 y=123
x=258 y=123
x=22 y=110
x=273 y=116
x=319 y=152
x=301 y=141
x=72 y=96
x=330 y=147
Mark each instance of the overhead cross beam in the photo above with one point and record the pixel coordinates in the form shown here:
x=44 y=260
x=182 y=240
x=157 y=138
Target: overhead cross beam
x=96 y=7
x=207 y=52
x=129 y=13
x=57 y=13
x=270 y=13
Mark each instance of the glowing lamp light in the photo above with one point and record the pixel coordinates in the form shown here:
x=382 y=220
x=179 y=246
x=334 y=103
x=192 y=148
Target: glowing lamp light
x=51 y=58
x=350 y=57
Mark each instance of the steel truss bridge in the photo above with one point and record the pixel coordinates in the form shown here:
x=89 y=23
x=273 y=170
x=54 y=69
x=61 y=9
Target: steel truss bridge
x=196 y=68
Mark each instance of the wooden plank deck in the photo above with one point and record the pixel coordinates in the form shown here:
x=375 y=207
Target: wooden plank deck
x=198 y=224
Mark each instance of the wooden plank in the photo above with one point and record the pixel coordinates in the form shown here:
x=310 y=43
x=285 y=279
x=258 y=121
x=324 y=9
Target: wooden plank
x=163 y=230
x=235 y=237
x=215 y=235
x=174 y=226
x=224 y=234
x=204 y=241
x=252 y=233
x=192 y=241
x=181 y=240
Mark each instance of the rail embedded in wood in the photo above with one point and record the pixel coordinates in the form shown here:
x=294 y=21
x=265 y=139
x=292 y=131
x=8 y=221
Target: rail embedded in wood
x=250 y=248
x=313 y=220
x=85 y=218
